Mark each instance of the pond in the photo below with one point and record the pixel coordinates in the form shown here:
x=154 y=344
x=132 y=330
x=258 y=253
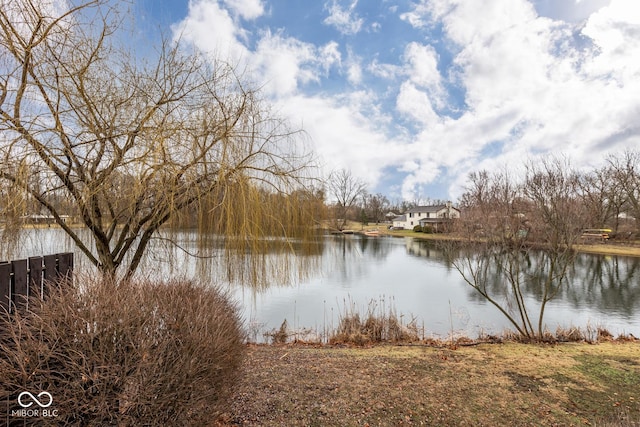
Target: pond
x=408 y=277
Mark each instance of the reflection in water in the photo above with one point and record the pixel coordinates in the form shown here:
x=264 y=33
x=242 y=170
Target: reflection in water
x=283 y=262
x=347 y=256
x=610 y=283
x=309 y=284
x=421 y=248
x=606 y=287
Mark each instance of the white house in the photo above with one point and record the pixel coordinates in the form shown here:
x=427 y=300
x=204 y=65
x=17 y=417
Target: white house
x=426 y=215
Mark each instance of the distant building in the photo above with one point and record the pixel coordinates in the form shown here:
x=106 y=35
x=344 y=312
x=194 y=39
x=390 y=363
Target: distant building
x=435 y=216
x=389 y=216
x=43 y=219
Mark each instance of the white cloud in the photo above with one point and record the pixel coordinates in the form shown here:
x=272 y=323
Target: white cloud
x=385 y=71
x=354 y=68
x=466 y=20
x=347 y=130
x=421 y=62
x=416 y=105
x=513 y=66
x=616 y=31
x=248 y=9
x=426 y=172
x=282 y=63
x=330 y=56
x=531 y=86
x=344 y=20
x=419 y=16
x=529 y=90
x=424 y=65
x=346 y=133
x=211 y=29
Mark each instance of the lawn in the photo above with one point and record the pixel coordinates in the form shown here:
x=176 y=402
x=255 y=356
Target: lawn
x=482 y=385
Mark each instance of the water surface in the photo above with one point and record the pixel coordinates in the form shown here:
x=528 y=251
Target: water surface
x=411 y=278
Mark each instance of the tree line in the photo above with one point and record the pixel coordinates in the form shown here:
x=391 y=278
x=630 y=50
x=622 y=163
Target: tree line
x=521 y=228
x=552 y=201
x=348 y=199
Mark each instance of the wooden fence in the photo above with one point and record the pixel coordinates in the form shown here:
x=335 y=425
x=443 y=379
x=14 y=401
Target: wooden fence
x=22 y=278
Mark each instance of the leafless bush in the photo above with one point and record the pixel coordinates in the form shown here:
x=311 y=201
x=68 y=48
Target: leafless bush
x=127 y=354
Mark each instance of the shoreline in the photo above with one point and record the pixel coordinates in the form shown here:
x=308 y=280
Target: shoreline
x=631 y=249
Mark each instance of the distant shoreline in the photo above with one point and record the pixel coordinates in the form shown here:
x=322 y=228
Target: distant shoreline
x=632 y=249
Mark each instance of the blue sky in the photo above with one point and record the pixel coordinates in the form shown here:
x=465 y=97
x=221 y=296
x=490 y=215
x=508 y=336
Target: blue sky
x=411 y=96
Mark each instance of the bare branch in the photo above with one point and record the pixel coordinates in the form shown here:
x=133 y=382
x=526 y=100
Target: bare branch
x=132 y=146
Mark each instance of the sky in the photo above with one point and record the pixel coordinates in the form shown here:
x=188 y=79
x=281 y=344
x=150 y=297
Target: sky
x=412 y=96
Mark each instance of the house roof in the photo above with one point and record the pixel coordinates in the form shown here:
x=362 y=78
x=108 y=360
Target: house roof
x=400 y=218
x=431 y=208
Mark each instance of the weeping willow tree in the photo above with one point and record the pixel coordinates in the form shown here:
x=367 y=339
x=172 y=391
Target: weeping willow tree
x=128 y=146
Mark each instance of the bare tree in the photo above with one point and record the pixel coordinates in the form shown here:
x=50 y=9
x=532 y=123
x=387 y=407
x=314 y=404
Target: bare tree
x=626 y=168
x=132 y=143
x=603 y=197
x=490 y=205
x=520 y=240
x=377 y=206
x=346 y=190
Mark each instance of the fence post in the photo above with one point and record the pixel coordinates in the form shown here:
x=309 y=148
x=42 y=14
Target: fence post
x=50 y=267
x=22 y=278
x=36 y=268
x=20 y=283
x=65 y=266
x=5 y=287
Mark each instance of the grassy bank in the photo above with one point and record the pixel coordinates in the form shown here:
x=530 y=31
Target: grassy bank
x=489 y=384
x=627 y=249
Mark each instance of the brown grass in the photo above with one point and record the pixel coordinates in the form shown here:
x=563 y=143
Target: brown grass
x=379 y=325
x=485 y=385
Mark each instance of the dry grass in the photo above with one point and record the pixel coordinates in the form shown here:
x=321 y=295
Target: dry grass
x=610 y=249
x=485 y=385
x=380 y=324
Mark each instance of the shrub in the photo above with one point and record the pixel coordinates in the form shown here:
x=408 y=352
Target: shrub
x=417 y=229
x=126 y=354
